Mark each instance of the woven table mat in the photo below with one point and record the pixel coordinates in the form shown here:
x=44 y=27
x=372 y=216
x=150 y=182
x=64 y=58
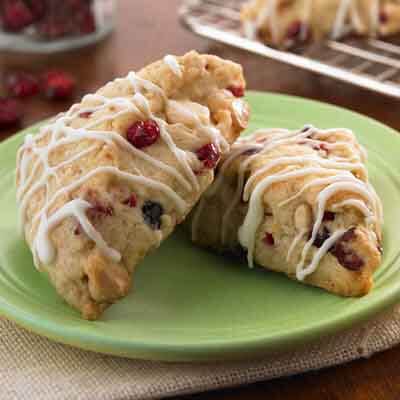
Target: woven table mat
x=33 y=368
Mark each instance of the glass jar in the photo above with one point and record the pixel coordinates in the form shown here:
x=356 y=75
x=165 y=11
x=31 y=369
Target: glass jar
x=46 y=26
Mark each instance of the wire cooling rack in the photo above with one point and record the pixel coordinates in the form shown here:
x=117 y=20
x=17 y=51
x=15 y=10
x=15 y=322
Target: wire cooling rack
x=370 y=63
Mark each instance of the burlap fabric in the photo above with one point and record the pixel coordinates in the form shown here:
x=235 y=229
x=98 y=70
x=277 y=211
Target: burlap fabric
x=33 y=368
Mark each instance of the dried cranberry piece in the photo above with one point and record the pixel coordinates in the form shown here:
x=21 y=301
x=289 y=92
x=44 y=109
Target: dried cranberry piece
x=349 y=235
x=294 y=30
x=10 y=112
x=269 y=239
x=131 y=201
x=383 y=17
x=345 y=254
x=99 y=211
x=321 y=237
x=86 y=23
x=237 y=91
x=317 y=146
x=22 y=84
x=298 y=31
x=152 y=213
x=38 y=8
x=85 y=114
x=58 y=85
x=53 y=29
x=143 y=133
x=328 y=216
x=15 y=15
x=324 y=147
x=209 y=155
x=350 y=261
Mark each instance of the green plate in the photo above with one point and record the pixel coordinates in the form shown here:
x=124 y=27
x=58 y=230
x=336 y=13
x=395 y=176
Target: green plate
x=190 y=305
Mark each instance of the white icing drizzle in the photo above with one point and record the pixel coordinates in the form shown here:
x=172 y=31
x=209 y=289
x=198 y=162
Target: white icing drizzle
x=247 y=232
x=77 y=208
x=340 y=20
x=265 y=15
x=172 y=62
x=341 y=175
x=322 y=198
x=302 y=273
x=349 y=10
x=302 y=159
x=369 y=215
x=374 y=15
x=34 y=157
x=295 y=242
x=215 y=187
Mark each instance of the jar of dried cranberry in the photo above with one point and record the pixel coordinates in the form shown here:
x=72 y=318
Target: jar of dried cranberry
x=53 y=25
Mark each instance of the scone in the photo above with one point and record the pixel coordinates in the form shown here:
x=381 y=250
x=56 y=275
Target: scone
x=106 y=182
x=298 y=203
x=284 y=23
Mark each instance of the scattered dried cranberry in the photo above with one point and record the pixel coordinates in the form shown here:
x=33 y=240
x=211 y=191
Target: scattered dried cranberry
x=86 y=23
x=349 y=235
x=209 y=154
x=131 y=201
x=324 y=147
x=294 y=30
x=85 y=114
x=143 y=133
x=76 y=4
x=152 y=213
x=321 y=237
x=22 y=85
x=345 y=254
x=268 y=239
x=237 y=91
x=77 y=230
x=329 y=216
x=98 y=211
x=67 y=18
x=298 y=32
x=383 y=17
x=58 y=85
x=10 y=112
x=16 y=15
x=38 y=8
x=53 y=28
x=318 y=146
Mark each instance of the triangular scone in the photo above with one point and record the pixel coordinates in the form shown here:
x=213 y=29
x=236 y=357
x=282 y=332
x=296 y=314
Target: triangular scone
x=298 y=203
x=284 y=23
x=103 y=184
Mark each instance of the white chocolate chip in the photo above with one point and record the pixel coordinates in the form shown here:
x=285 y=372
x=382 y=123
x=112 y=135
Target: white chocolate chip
x=303 y=217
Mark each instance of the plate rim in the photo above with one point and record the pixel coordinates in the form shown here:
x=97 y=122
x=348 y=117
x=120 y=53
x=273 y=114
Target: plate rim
x=236 y=349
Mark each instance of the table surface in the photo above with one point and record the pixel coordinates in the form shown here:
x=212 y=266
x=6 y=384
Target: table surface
x=147 y=31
